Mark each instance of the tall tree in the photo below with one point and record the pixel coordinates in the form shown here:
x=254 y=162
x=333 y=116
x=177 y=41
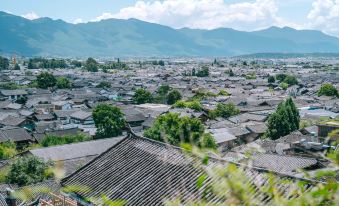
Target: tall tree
x=284 y=120
x=271 y=79
x=109 y=121
x=16 y=67
x=4 y=63
x=295 y=113
x=91 y=65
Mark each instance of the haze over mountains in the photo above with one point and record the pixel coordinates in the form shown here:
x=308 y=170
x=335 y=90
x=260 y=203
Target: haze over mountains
x=115 y=37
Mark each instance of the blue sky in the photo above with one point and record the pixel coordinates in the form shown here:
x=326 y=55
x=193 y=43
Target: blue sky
x=206 y=14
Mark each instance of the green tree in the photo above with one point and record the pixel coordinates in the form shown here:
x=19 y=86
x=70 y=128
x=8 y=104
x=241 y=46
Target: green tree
x=10 y=86
x=231 y=73
x=91 y=65
x=173 y=97
x=280 y=77
x=195 y=105
x=27 y=170
x=203 y=72
x=161 y=63
x=283 y=85
x=208 y=141
x=16 y=67
x=163 y=90
x=21 y=100
x=103 y=84
x=223 y=93
x=142 y=96
x=76 y=63
x=291 y=80
x=176 y=130
x=193 y=72
x=46 y=80
x=109 y=121
x=31 y=64
x=4 y=63
x=284 y=120
x=271 y=79
x=226 y=110
x=328 y=89
x=63 y=83
x=295 y=117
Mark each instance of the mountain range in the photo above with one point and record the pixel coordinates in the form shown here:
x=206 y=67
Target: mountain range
x=132 y=38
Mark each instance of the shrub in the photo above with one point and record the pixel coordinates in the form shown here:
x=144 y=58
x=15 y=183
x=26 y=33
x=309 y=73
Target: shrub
x=51 y=140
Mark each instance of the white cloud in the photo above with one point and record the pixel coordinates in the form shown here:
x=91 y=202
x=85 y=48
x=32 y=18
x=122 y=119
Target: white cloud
x=103 y=16
x=31 y=16
x=324 y=16
x=205 y=14
x=78 y=21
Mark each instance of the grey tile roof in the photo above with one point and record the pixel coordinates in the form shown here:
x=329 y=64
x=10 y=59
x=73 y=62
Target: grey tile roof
x=13 y=92
x=75 y=150
x=258 y=128
x=82 y=115
x=12 y=121
x=282 y=163
x=15 y=134
x=145 y=172
x=247 y=117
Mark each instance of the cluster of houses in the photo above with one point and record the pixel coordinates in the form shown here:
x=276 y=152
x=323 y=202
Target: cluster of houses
x=143 y=171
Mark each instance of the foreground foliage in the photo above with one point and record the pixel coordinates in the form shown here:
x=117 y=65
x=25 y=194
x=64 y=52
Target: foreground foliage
x=7 y=150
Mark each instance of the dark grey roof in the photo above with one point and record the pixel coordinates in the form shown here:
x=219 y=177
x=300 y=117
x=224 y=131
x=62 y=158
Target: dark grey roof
x=295 y=137
x=14 y=134
x=247 y=117
x=81 y=115
x=133 y=115
x=71 y=165
x=258 y=128
x=145 y=172
x=64 y=113
x=13 y=92
x=12 y=121
x=149 y=122
x=282 y=163
x=238 y=131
